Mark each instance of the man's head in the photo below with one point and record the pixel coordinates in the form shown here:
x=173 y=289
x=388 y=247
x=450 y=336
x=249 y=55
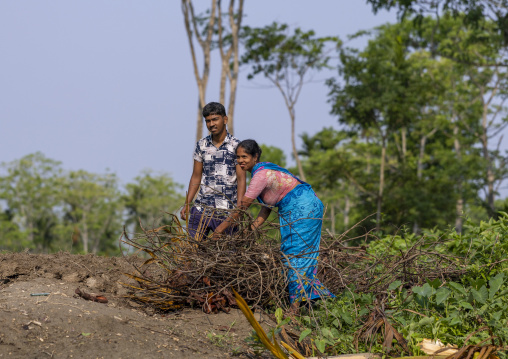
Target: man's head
x=214 y=108
x=215 y=118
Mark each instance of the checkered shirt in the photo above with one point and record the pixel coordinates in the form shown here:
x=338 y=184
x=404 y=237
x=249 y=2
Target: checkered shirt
x=218 y=182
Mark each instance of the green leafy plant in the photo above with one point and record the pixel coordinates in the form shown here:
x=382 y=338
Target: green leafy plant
x=468 y=310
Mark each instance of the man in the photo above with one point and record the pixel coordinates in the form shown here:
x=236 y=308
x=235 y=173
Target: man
x=217 y=176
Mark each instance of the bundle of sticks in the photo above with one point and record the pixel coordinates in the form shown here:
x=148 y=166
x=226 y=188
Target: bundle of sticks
x=181 y=270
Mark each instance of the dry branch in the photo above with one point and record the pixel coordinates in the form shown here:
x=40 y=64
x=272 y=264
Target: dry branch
x=181 y=271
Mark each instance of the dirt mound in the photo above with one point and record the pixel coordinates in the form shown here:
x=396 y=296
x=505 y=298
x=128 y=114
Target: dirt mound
x=98 y=273
x=64 y=325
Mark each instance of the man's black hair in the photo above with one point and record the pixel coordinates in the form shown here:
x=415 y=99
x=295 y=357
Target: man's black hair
x=251 y=147
x=214 y=108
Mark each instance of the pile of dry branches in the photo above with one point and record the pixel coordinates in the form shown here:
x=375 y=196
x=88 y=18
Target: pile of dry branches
x=343 y=266
x=180 y=270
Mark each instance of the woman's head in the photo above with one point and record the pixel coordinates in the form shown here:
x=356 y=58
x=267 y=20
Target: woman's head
x=248 y=153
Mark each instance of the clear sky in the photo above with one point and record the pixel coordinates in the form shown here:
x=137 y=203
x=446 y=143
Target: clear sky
x=102 y=85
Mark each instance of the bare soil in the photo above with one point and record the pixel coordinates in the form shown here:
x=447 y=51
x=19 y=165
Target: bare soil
x=64 y=325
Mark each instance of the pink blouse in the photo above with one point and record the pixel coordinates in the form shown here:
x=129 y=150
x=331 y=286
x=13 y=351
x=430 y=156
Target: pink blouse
x=271 y=185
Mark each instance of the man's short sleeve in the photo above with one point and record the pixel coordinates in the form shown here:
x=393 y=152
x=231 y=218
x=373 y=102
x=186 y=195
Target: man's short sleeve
x=235 y=163
x=235 y=145
x=197 y=153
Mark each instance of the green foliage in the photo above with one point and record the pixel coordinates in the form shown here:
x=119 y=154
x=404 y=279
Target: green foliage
x=92 y=210
x=331 y=326
x=30 y=190
x=149 y=196
x=480 y=246
x=411 y=147
x=46 y=209
x=473 y=13
x=274 y=51
x=12 y=237
x=449 y=311
x=483 y=245
x=286 y=60
x=273 y=154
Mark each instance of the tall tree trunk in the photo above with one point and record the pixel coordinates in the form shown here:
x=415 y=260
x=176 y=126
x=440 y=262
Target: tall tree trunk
x=486 y=102
x=236 y=24
x=332 y=218
x=419 y=174
x=101 y=233
x=222 y=90
x=403 y=132
x=419 y=168
x=230 y=71
x=232 y=101
x=459 y=211
x=347 y=206
x=84 y=234
x=381 y=184
x=459 y=204
x=486 y=155
x=293 y=143
x=193 y=31
x=27 y=213
x=199 y=123
x=30 y=231
x=368 y=157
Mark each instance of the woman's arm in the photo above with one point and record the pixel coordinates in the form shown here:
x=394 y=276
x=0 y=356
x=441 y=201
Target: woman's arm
x=246 y=202
x=257 y=185
x=261 y=218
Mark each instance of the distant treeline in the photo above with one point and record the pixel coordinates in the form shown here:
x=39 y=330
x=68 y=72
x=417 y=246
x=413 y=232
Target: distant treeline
x=46 y=209
x=422 y=118
x=419 y=144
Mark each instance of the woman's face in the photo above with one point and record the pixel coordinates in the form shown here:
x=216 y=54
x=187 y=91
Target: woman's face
x=245 y=161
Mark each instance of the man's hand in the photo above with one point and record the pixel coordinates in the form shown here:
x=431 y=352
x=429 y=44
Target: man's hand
x=183 y=213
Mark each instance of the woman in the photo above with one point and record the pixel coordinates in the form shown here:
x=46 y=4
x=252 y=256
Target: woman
x=300 y=218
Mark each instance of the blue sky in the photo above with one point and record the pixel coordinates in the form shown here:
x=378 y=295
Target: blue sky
x=104 y=85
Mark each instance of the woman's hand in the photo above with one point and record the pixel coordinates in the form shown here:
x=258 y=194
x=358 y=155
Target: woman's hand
x=219 y=230
x=254 y=230
x=261 y=218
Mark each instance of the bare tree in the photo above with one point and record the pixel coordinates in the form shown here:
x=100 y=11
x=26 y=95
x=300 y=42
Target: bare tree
x=286 y=61
x=201 y=30
x=230 y=68
x=489 y=93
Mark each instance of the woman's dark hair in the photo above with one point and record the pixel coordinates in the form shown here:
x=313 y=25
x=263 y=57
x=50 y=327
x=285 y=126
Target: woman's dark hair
x=251 y=147
x=214 y=108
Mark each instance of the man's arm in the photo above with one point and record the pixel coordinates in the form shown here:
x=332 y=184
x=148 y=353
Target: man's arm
x=194 y=183
x=241 y=184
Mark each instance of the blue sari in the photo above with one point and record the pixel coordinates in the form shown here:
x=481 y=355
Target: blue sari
x=300 y=219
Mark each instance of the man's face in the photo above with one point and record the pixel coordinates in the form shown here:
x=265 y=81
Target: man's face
x=216 y=123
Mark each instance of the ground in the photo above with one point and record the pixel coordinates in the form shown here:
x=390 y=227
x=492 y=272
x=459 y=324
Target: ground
x=64 y=325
